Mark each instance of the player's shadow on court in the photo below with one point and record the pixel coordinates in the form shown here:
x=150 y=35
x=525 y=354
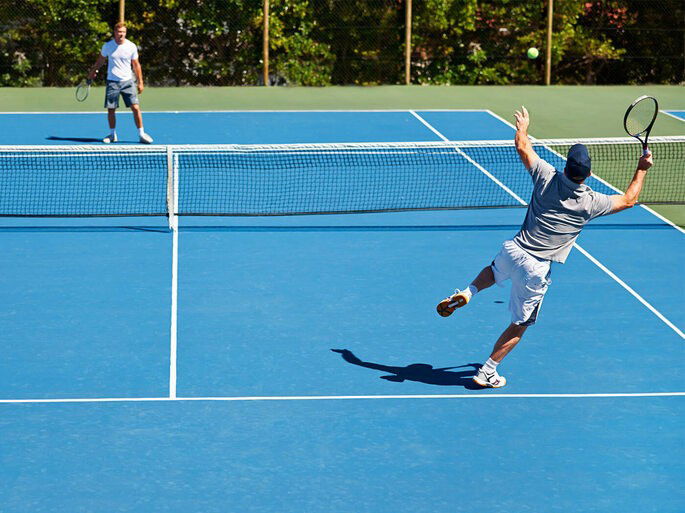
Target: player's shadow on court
x=420 y=372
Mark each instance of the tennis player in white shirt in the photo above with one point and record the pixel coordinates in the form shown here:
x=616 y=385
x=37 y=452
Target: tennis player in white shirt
x=122 y=60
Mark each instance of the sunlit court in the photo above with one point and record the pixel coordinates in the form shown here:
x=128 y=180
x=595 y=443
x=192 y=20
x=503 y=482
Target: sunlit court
x=239 y=314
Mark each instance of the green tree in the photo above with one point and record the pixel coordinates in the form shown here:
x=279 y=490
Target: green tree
x=183 y=42
x=364 y=38
x=477 y=42
x=50 y=42
x=298 y=53
x=321 y=42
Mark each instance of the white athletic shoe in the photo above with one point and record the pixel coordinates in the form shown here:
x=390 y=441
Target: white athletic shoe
x=111 y=138
x=493 y=380
x=145 y=139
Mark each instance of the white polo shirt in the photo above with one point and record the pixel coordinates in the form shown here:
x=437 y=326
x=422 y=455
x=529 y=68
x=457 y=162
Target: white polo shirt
x=119 y=59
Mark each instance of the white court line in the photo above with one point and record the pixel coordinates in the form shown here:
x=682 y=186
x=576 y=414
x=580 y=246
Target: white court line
x=173 y=222
x=174 y=314
x=497 y=116
x=673 y=115
x=469 y=159
x=338 y=398
x=583 y=251
x=629 y=289
x=248 y=111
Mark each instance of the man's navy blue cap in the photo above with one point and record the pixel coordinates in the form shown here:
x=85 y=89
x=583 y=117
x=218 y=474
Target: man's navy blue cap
x=578 y=163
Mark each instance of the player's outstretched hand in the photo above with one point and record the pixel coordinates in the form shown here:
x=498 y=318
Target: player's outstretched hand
x=645 y=161
x=522 y=119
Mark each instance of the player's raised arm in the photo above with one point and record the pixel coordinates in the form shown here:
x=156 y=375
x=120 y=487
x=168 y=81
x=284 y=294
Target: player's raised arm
x=523 y=144
x=630 y=197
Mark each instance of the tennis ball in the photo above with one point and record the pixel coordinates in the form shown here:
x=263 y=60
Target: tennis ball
x=533 y=53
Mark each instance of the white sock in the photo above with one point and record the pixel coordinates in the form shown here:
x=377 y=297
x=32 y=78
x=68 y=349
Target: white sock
x=141 y=131
x=490 y=366
x=112 y=132
x=470 y=291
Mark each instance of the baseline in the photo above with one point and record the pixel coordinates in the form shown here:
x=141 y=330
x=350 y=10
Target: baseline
x=341 y=397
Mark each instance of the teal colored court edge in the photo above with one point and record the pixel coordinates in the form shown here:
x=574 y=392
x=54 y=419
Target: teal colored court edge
x=148 y=369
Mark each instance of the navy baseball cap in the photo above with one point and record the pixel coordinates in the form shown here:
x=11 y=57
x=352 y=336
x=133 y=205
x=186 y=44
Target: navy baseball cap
x=578 y=165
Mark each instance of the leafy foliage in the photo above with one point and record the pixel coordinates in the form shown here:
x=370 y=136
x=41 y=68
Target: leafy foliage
x=323 y=42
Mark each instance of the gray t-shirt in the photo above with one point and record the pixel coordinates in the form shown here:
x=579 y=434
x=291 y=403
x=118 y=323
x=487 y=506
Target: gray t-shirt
x=558 y=211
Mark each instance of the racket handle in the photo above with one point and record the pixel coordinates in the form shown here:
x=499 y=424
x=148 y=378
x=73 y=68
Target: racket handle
x=645 y=150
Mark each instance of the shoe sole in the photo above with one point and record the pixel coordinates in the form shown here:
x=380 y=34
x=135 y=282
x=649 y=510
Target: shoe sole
x=447 y=306
x=485 y=384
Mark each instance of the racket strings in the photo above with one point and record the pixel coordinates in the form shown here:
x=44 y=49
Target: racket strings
x=82 y=90
x=640 y=117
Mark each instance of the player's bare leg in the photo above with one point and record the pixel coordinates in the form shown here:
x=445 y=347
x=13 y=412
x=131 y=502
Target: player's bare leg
x=487 y=375
x=138 y=119
x=137 y=115
x=485 y=279
x=507 y=341
x=112 y=120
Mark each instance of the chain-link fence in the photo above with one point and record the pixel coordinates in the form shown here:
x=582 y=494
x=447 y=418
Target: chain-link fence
x=337 y=42
x=323 y=42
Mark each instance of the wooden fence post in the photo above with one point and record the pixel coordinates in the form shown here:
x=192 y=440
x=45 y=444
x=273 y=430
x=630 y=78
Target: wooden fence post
x=548 y=59
x=407 y=42
x=265 y=49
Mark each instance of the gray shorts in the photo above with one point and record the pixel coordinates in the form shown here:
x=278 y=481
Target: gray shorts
x=126 y=88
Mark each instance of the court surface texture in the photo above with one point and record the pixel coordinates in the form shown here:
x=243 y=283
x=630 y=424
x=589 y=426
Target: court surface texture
x=242 y=406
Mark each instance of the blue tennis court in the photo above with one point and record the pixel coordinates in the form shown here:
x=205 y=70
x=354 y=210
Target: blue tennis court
x=152 y=370
x=678 y=114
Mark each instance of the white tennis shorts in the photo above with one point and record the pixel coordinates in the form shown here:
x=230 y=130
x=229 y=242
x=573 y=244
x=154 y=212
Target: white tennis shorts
x=529 y=281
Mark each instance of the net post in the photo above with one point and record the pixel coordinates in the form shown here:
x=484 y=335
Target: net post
x=172 y=186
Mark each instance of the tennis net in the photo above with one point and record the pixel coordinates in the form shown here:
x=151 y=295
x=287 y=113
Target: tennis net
x=251 y=180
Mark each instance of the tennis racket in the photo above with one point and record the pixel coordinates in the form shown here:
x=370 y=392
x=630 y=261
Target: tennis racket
x=640 y=118
x=83 y=89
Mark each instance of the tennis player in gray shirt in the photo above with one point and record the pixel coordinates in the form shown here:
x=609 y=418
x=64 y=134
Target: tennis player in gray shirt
x=561 y=205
